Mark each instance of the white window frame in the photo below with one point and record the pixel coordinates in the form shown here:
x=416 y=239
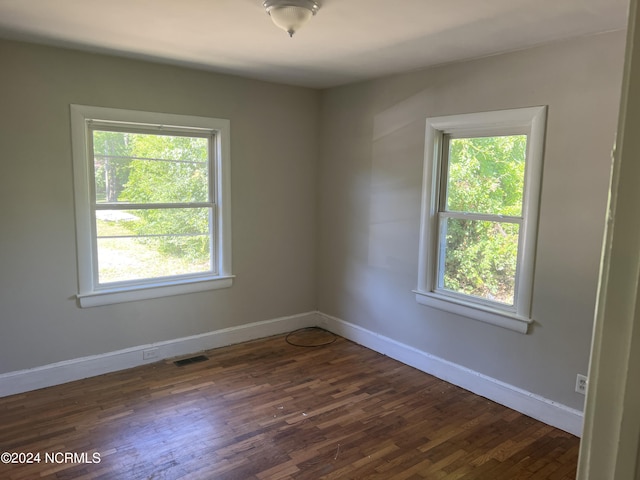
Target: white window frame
x=90 y=293
x=530 y=121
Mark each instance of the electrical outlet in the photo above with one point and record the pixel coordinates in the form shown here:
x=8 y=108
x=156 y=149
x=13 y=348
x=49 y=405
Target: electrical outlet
x=581 y=384
x=149 y=353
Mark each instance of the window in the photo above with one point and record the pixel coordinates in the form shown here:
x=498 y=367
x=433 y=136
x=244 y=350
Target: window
x=152 y=204
x=481 y=190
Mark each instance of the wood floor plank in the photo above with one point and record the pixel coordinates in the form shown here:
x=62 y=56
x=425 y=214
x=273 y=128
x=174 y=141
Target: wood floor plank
x=268 y=410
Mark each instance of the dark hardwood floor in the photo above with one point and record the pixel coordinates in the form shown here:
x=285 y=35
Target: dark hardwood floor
x=270 y=410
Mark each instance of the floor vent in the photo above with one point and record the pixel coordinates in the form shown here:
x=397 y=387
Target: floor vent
x=187 y=361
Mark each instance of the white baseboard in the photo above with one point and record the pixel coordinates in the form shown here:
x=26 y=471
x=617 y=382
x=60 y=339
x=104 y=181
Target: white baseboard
x=535 y=406
x=69 y=370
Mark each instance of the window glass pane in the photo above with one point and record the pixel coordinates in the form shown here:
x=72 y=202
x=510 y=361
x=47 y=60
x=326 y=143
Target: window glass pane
x=478 y=258
x=149 y=243
x=126 y=259
x=147 y=168
x=486 y=175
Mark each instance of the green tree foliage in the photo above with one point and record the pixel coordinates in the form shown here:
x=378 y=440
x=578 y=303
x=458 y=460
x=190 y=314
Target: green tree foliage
x=167 y=169
x=164 y=169
x=486 y=176
x=170 y=169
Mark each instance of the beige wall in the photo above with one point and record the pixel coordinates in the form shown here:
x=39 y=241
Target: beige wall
x=273 y=170
x=370 y=175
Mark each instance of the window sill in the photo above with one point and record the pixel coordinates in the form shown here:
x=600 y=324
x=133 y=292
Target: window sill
x=481 y=313
x=145 y=292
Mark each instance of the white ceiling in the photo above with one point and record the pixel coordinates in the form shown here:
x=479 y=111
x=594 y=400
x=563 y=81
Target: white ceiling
x=348 y=40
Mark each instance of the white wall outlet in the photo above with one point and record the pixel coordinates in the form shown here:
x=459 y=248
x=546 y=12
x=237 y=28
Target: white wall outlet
x=581 y=384
x=150 y=353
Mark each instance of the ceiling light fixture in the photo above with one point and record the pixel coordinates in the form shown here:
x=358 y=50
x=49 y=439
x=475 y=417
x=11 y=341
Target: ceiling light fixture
x=290 y=15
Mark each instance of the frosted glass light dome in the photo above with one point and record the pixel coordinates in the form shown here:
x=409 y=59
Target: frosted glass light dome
x=290 y=15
